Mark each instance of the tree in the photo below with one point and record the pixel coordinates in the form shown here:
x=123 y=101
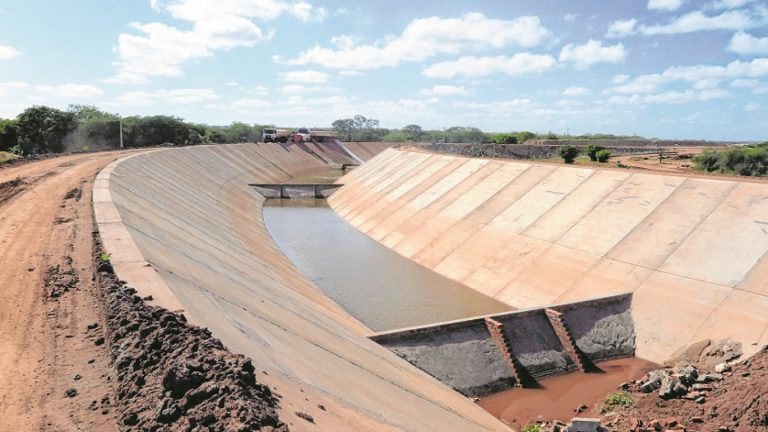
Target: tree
x=344 y=127
x=591 y=150
x=603 y=155
x=9 y=136
x=413 y=132
x=524 y=136
x=568 y=153
x=42 y=129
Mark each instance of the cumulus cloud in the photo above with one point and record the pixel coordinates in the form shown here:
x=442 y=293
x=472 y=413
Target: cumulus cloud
x=444 y=90
x=157 y=49
x=8 y=52
x=424 y=38
x=306 y=76
x=620 y=78
x=745 y=43
x=518 y=64
x=583 y=56
x=728 y=4
x=670 y=97
x=576 y=91
x=621 y=28
x=301 y=89
x=70 y=91
x=176 y=96
x=665 y=5
x=692 y=22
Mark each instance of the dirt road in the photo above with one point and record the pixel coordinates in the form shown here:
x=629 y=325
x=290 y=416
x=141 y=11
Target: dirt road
x=54 y=373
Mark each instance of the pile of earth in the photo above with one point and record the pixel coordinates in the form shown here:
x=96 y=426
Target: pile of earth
x=731 y=395
x=173 y=376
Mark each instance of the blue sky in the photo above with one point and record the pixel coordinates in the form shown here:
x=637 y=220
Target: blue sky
x=663 y=68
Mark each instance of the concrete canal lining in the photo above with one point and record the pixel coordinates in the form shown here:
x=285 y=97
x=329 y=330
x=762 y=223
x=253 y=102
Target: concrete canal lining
x=692 y=250
x=185 y=224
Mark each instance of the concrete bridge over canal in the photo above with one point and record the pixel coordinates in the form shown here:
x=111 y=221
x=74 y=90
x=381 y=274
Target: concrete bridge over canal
x=184 y=226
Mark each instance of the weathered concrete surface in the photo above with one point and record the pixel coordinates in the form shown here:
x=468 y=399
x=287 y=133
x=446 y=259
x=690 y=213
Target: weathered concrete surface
x=185 y=226
x=693 y=250
x=463 y=355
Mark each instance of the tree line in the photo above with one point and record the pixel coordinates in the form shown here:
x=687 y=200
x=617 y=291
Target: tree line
x=43 y=129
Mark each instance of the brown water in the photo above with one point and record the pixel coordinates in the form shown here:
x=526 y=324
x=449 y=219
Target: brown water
x=379 y=287
x=559 y=396
x=323 y=177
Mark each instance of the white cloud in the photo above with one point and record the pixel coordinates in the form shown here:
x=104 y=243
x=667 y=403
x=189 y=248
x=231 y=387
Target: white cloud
x=670 y=97
x=698 y=21
x=693 y=22
x=728 y=4
x=231 y=84
x=444 y=90
x=518 y=64
x=427 y=37
x=583 y=56
x=621 y=28
x=745 y=83
x=576 y=91
x=666 y=5
x=259 y=90
x=343 y=42
x=620 y=78
x=702 y=76
x=752 y=107
x=70 y=91
x=349 y=73
x=250 y=104
x=160 y=50
x=300 y=89
x=745 y=43
x=570 y=16
x=8 y=52
x=306 y=76
x=176 y=96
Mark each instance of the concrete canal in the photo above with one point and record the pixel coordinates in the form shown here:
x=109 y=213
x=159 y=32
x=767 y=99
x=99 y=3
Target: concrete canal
x=376 y=285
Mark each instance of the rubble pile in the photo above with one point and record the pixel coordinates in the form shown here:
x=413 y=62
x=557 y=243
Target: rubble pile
x=729 y=396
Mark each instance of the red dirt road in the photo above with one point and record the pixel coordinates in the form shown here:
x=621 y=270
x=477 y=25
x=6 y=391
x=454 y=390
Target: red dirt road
x=47 y=299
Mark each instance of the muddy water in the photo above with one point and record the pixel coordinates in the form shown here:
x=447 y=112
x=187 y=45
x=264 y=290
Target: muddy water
x=379 y=287
x=323 y=177
x=559 y=396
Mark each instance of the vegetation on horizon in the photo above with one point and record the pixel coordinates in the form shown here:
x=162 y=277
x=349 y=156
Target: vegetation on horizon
x=746 y=161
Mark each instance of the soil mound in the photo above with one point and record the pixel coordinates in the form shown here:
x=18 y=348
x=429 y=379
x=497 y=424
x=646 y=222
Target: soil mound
x=173 y=376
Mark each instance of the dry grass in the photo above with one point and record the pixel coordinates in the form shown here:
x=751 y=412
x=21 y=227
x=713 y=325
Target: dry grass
x=5 y=157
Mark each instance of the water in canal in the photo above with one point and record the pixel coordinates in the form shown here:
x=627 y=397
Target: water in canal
x=376 y=285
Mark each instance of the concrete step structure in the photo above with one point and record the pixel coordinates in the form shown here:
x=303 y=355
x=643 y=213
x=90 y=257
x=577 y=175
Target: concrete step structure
x=693 y=250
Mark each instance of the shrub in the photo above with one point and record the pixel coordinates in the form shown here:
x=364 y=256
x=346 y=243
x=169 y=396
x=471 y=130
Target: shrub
x=105 y=257
x=591 y=150
x=533 y=428
x=616 y=400
x=568 y=153
x=747 y=161
x=603 y=155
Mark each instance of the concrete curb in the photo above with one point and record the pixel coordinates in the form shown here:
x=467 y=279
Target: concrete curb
x=126 y=258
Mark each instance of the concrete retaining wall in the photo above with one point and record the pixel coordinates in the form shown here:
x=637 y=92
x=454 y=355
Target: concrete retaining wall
x=463 y=355
x=185 y=226
x=693 y=250
x=277 y=191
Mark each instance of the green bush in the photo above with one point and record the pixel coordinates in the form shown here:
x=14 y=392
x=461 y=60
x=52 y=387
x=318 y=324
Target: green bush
x=747 y=161
x=568 y=153
x=533 y=428
x=591 y=151
x=603 y=155
x=616 y=400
